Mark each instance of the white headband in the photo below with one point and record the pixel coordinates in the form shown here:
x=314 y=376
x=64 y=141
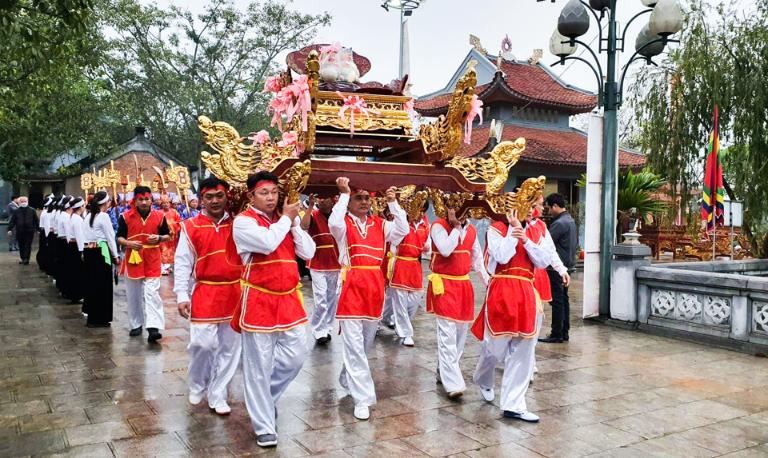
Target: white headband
x=78 y=205
x=47 y=202
x=104 y=200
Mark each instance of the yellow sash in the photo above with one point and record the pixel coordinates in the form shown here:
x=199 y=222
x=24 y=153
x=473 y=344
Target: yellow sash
x=436 y=280
x=347 y=268
x=135 y=257
x=297 y=289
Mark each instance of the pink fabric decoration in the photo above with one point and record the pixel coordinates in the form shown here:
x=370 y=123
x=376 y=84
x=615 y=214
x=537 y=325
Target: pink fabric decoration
x=355 y=105
x=259 y=137
x=273 y=84
x=280 y=105
x=475 y=109
x=329 y=52
x=299 y=90
x=290 y=139
x=408 y=107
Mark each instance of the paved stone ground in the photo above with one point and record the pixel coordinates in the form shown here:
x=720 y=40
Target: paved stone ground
x=71 y=391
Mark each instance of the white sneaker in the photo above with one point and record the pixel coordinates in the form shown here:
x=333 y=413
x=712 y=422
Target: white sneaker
x=525 y=416
x=361 y=412
x=196 y=398
x=408 y=341
x=488 y=394
x=222 y=409
x=535 y=369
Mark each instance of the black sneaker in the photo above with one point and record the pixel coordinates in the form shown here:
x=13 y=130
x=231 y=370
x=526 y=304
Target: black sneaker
x=322 y=340
x=135 y=332
x=266 y=440
x=154 y=335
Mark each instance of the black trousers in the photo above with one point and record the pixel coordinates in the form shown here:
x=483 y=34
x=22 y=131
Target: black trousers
x=25 y=240
x=98 y=292
x=561 y=306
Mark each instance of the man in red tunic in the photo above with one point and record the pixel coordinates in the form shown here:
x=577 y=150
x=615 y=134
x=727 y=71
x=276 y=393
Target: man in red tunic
x=455 y=251
x=405 y=276
x=203 y=267
x=506 y=325
x=270 y=313
x=141 y=230
x=537 y=231
x=323 y=267
x=361 y=238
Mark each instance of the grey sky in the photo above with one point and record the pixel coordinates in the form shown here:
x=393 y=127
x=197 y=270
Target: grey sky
x=439 y=33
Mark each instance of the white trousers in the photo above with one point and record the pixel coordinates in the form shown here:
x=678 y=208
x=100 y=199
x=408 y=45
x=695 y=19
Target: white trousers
x=517 y=355
x=271 y=360
x=325 y=294
x=387 y=314
x=404 y=306
x=214 y=354
x=539 y=323
x=145 y=308
x=451 y=337
x=357 y=337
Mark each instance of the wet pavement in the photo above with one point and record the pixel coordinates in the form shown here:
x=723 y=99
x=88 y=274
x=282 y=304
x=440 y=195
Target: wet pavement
x=66 y=390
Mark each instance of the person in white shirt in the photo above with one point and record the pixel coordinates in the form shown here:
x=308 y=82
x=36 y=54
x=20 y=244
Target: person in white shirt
x=271 y=312
x=361 y=239
x=455 y=252
x=75 y=276
x=99 y=257
x=44 y=250
x=207 y=287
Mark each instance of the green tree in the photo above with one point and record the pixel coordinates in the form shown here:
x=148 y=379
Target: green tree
x=723 y=60
x=168 y=66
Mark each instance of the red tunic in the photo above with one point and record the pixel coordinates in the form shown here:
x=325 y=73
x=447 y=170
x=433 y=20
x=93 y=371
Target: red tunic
x=139 y=230
x=271 y=299
x=405 y=272
x=510 y=304
x=217 y=276
x=536 y=231
x=327 y=253
x=457 y=302
x=362 y=290
x=168 y=249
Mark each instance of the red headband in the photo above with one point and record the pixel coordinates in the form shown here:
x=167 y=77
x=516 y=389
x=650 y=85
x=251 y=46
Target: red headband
x=218 y=187
x=142 y=194
x=261 y=183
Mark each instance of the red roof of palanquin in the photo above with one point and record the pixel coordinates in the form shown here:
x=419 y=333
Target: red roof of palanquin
x=523 y=83
x=543 y=146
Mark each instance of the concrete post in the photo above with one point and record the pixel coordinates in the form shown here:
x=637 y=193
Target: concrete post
x=627 y=258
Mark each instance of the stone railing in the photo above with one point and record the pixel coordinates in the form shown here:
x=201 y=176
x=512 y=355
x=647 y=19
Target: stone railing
x=723 y=299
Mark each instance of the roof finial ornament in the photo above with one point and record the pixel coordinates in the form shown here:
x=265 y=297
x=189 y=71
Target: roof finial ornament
x=475 y=42
x=498 y=62
x=536 y=56
x=506 y=49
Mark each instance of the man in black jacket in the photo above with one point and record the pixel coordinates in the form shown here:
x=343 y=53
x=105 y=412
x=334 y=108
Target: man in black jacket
x=24 y=223
x=562 y=228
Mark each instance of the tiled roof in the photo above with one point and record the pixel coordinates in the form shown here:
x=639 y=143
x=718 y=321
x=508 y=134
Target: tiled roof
x=542 y=146
x=526 y=83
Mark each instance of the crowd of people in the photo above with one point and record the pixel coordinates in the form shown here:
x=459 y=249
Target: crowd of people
x=237 y=280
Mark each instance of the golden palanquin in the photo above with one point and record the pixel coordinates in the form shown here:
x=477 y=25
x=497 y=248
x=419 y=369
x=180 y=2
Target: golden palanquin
x=380 y=148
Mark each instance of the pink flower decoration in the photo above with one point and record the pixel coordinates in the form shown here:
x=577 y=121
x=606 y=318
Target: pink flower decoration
x=273 y=84
x=289 y=139
x=475 y=109
x=299 y=90
x=279 y=106
x=330 y=51
x=259 y=137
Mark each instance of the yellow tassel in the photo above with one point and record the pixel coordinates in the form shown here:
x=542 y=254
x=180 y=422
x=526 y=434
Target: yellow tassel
x=390 y=265
x=344 y=271
x=436 y=281
x=301 y=295
x=135 y=257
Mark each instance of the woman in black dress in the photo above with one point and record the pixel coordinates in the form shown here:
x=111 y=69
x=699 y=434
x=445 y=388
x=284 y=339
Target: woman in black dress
x=100 y=255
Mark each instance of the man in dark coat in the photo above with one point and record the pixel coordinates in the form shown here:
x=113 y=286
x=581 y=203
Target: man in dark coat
x=24 y=224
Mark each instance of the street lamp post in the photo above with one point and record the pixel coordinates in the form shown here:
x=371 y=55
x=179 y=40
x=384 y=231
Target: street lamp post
x=406 y=8
x=666 y=19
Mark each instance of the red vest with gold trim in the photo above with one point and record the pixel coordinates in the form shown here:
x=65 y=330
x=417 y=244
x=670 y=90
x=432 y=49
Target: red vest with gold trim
x=510 y=304
x=536 y=231
x=327 y=253
x=217 y=275
x=457 y=302
x=271 y=297
x=139 y=230
x=362 y=290
x=405 y=272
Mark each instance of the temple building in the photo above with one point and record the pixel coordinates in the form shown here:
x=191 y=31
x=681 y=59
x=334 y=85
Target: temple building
x=529 y=101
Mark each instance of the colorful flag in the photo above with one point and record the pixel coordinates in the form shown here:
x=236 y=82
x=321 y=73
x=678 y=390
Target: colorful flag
x=714 y=193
